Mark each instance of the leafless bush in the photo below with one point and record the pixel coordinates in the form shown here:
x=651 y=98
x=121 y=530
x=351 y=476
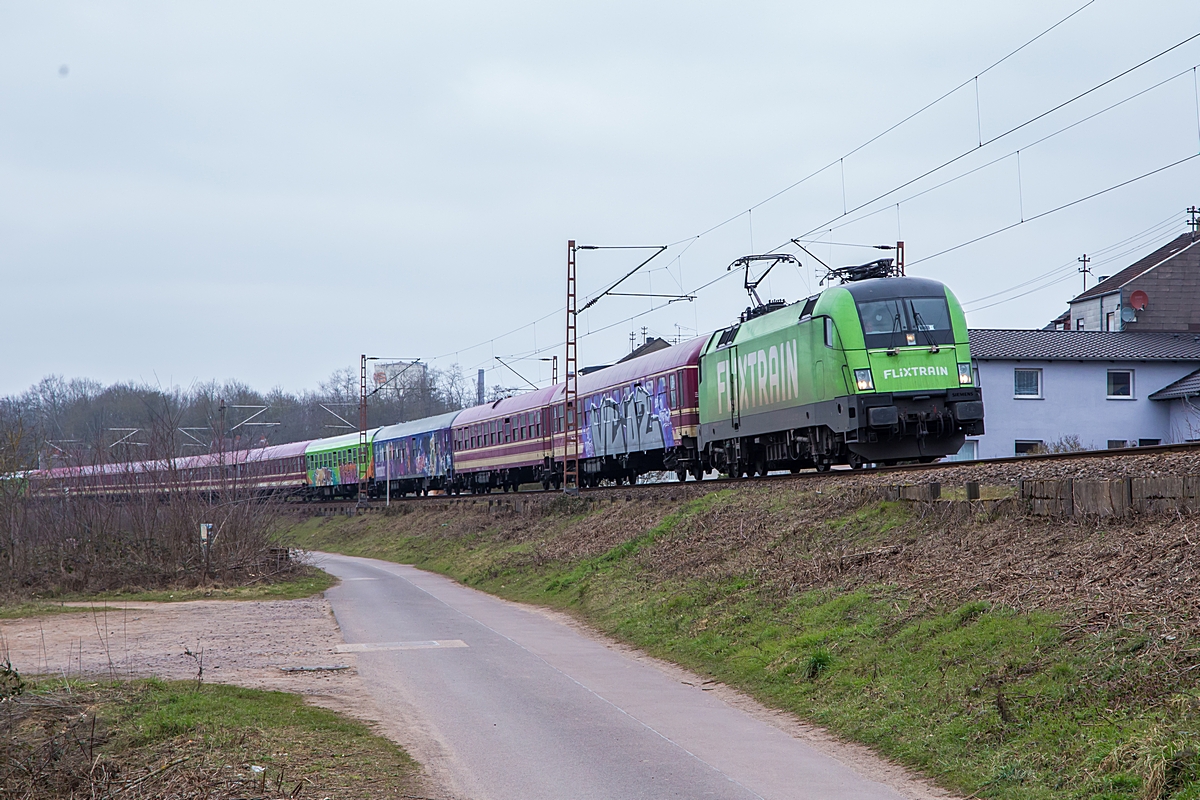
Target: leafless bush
x=1064 y=444
x=134 y=524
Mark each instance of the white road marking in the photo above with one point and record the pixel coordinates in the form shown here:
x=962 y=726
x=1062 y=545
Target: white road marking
x=383 y=646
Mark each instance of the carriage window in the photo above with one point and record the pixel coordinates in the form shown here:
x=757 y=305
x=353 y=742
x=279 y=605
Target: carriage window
x=674 y=392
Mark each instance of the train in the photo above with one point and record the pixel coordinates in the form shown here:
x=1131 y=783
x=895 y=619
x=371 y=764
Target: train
x=874 y=370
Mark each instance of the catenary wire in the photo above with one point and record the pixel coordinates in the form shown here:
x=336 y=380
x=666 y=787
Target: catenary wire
x=692 y=239
x=998 y=137
x=889 y=129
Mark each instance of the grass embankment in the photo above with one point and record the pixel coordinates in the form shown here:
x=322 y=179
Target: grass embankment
x=149 y=739
x=1003 y=658
x=304 y=582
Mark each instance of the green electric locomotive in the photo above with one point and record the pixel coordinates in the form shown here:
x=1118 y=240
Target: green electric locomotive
x=875 y=370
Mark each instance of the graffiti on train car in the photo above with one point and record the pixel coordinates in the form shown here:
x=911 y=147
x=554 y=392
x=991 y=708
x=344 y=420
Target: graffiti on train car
x=421 y=455
x=628 y=420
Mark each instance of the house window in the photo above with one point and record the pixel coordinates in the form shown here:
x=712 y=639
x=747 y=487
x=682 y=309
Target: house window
x=1027 y=447
x=1027 y=383
x=1078 y=324
x=1120 y=384
x=1108 y=321
x=1116 y=444
x=968 y=452
x=1149 y=442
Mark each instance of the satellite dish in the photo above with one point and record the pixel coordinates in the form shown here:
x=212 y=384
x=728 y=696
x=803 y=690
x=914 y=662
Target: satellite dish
x=1128 y=314
x=1139 y=299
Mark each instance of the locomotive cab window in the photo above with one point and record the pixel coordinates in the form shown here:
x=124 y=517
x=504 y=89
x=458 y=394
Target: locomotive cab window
x=906 y=321
x=828 y=331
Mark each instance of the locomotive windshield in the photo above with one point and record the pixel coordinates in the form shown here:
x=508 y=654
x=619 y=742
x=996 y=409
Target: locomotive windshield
x=901 y=321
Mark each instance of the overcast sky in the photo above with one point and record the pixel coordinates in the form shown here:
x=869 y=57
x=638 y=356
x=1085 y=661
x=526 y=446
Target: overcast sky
x=263 y=191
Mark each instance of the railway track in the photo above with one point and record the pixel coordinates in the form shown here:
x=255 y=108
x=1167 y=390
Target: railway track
x=1032 y=467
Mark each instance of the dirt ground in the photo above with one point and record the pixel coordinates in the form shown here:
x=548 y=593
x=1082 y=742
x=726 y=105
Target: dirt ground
x=243 y=643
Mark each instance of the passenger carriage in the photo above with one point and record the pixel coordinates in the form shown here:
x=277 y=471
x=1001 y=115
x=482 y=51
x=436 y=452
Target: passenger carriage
x=415 y=457
x=336 y=468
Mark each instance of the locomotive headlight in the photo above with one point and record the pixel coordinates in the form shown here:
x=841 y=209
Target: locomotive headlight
x=863 y=378
x=964 y=374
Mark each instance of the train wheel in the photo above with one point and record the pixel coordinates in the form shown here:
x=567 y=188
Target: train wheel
x=681 y=475
x=545 y=484
x=822 y=466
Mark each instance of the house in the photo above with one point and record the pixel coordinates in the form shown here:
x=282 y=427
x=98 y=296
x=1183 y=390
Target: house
x=1049 y=389
x=1160 y=292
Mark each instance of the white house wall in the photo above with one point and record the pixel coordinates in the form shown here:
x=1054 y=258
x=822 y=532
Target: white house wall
x=1074 y=403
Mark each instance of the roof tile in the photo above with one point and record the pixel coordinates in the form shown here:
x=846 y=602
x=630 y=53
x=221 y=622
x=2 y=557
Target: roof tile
x=1048 y=345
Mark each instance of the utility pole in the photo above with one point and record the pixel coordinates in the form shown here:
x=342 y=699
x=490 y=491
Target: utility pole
x=1084 y=269
x=362 y=428
x=571 y=395
x=1194 y=222
x=553 y=369
x=571 y=419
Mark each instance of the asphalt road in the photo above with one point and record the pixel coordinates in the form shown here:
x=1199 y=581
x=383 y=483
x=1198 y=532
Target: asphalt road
x=515 y=704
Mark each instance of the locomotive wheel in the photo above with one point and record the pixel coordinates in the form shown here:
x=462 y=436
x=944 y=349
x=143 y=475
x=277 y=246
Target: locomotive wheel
x=545 y=484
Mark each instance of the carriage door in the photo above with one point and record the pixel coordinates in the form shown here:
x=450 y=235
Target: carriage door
x=545 y=423
x=735 y=405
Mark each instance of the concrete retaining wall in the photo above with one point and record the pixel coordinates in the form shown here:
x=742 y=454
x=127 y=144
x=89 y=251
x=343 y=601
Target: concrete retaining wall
x=1073 y=497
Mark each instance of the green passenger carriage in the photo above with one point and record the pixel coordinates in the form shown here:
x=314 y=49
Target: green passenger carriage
x=876 y=370
x=336 y=466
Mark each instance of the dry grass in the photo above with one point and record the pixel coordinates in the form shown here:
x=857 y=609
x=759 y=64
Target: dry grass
x=177 y=741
